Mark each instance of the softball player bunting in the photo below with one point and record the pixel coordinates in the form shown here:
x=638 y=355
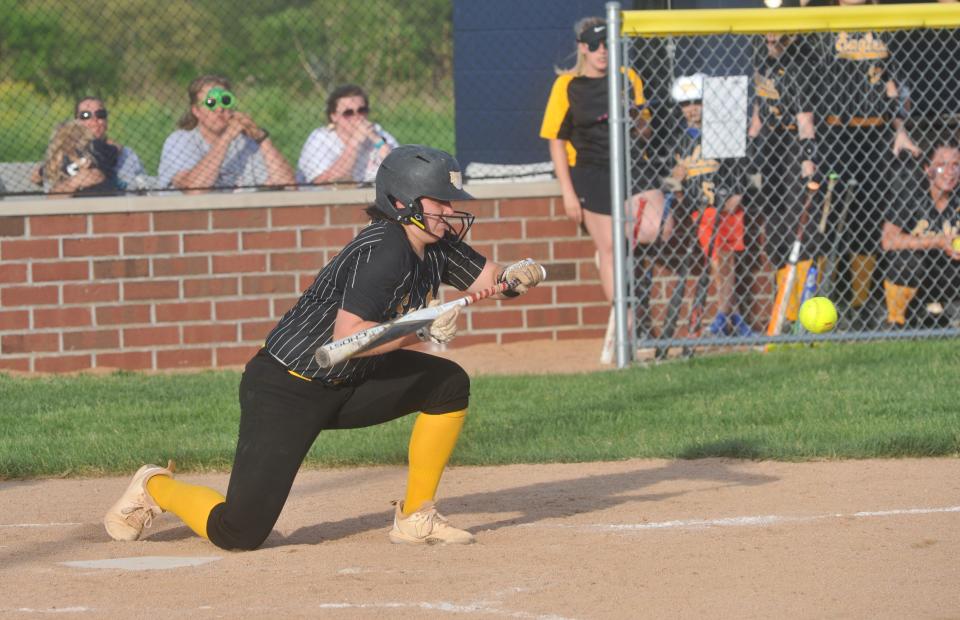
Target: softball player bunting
x=396 y=264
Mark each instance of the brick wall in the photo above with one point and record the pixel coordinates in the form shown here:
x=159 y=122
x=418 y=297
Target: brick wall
x=156 y=287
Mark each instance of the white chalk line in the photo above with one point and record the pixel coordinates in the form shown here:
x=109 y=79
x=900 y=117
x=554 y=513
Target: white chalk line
x=745 y=521
x=486 y=607
x=443 y=606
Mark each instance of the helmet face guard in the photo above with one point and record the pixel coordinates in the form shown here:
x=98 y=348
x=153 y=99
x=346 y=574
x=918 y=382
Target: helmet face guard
x=412 y=172
x=458 y=225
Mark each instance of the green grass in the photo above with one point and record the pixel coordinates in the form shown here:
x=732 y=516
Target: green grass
x=837 y=401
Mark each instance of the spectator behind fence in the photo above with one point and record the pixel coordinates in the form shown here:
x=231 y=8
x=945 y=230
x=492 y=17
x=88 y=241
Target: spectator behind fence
x=350 y=148
x=129 y=172
x=783 y=152
x=575 y=123
x=705 y=184
x=919 y=228
x=219 y=147
x=76 y=163
x=860 y=137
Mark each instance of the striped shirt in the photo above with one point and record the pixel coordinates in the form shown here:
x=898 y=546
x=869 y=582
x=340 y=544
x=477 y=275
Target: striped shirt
x=377 y=277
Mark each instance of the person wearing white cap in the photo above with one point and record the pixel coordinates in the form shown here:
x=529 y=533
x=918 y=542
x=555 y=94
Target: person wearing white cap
x=711 y=194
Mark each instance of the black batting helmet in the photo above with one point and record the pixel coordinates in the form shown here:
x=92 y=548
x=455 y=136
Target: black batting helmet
x=412 y=172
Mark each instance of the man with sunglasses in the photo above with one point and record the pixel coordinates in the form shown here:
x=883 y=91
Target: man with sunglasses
x=393 y=266
x=350 y=148
x=219 y=147
x=128 y=172
x=919 y=230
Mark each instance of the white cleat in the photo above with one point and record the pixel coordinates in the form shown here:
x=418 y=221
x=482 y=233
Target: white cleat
x=135 y=509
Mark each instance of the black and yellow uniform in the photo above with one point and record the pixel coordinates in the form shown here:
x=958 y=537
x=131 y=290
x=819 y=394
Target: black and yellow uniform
x=855 y=130
x=577 y=112
x=930 y=275
x=286 y=400
x=781 y=85
x=706 y=187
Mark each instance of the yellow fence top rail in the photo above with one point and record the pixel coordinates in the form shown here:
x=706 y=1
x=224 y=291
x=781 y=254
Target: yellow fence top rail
x=808 y=19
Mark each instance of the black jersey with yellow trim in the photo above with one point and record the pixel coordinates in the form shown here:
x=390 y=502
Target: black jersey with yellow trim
x=708 y=181
x=577 y=112
x=378 y=277
x=782 y=85
x=913 y=211
x=854 y=68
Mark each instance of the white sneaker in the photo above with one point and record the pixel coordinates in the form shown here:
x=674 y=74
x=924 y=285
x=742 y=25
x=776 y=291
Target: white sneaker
x=135 y=509
x=425 y=527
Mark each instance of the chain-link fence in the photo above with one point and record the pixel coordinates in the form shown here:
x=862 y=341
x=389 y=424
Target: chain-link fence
x=783 y=166
x=281 y=59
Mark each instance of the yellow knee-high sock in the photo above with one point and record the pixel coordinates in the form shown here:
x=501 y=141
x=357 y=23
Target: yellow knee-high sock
x=861 y=271
x=897 y=299
x=190 y=502
x=431 y=444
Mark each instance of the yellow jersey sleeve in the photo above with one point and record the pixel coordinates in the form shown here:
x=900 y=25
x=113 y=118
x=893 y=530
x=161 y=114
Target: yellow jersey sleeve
x=558 y=106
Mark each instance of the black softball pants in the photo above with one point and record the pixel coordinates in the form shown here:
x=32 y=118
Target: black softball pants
x=281 y=416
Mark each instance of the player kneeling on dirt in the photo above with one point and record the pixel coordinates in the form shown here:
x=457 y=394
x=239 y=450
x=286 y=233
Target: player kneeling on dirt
x=393 y=266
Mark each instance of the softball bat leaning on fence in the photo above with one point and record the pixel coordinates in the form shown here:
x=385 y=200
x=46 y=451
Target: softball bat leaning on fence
x=341 y=350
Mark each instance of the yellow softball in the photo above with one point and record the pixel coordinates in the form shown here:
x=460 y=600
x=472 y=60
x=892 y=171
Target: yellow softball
x=818 y=315
x=956 y=244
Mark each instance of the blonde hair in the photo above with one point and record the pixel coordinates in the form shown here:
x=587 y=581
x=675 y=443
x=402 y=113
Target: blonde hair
x=189 y=119
x=578 y=29
x=71 y=140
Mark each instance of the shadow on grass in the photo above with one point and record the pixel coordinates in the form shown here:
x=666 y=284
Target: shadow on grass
x=727 y=448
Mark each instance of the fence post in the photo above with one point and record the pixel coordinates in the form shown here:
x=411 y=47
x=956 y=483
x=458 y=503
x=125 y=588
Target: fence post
x=615 y=116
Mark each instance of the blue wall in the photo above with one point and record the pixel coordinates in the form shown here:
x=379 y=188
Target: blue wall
x=504 y=54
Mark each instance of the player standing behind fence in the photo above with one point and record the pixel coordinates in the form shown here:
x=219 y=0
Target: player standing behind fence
x=784 y=152
x=575 y=123
x=863 y=133
x=393 y=266
x=920 y=227
x=708 y=186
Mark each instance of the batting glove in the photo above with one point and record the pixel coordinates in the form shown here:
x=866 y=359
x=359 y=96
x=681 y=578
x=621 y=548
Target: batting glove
x=444 y=327
x=528 y=272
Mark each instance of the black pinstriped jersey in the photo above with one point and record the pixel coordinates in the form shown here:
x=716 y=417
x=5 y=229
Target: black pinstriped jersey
x=854 y=69
x=378 y=277
x=782 y=85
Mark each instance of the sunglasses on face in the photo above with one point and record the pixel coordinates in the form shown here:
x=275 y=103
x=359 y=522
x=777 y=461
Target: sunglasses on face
x=595 y=45
x=219 y=97
x=350 y=112
x=686 y=104
x=87 y=114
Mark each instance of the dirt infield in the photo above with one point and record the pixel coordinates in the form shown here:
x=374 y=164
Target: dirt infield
x=631 y=539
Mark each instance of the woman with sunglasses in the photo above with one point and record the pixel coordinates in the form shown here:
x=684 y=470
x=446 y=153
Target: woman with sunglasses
x=575 y=123
x=129 y=172
x=350 y=148
x=219 y=147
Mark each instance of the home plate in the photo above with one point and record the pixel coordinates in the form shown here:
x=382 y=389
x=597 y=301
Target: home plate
x=147 y=562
